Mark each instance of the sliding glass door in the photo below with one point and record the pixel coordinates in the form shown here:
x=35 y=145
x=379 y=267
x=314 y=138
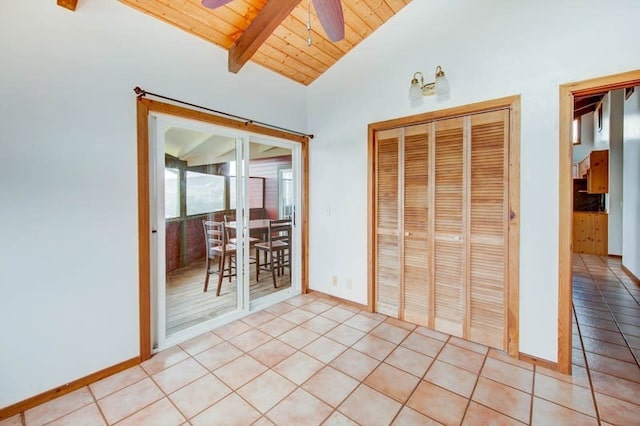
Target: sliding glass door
x=216 y=194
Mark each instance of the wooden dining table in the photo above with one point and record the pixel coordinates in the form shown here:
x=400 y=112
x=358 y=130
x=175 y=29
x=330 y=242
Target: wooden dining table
x=254 y=225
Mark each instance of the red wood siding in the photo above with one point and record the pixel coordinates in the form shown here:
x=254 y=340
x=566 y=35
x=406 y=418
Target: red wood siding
x=195 y=240
x=268 y=168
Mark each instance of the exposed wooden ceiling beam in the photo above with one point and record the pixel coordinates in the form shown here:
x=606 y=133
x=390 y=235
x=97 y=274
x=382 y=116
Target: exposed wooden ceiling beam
x=69 y=4
x=264 y=24
x=586 y=100
x=584 y=110
x=586 y=104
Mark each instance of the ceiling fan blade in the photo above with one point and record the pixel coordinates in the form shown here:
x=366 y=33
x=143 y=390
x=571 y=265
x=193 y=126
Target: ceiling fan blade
x=331 y=17
x=213 y=4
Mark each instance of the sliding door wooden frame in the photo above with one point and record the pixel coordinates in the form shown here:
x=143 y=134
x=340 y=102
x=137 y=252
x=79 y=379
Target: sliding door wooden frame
x=513 y=104
x=143 y=108
x=565 y=227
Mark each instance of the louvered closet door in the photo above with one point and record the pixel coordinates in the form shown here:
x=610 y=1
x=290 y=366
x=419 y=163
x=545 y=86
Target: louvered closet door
x=449 y=227
x=416 y=253
x=387 y=267
x=488 y=215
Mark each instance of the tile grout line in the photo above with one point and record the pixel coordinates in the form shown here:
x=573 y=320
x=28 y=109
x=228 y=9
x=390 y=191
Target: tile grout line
x=505 y=414
x=297 y=387
x=449 y=340
x=586 y=361
x=235 y=391
x=404 y=404
x=360 y=382
x=95 y=401
x=588 y=370
x=325 y=365
x=208 y=371
x=422 y=378
x=164 y=393
x=626 y=346
x=622 y=282
x=533 y=393
x=615 y=320
x=69 y=412
x=475 y=385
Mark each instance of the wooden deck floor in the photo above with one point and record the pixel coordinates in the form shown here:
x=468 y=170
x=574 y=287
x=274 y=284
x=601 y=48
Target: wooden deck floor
x=188 y=304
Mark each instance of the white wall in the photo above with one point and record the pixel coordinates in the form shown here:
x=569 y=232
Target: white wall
x=586 y=138
x=631 y=184
x=488 y=49
x=609 y=137
x=601 y=136
x=68 y=258
x=616 y=117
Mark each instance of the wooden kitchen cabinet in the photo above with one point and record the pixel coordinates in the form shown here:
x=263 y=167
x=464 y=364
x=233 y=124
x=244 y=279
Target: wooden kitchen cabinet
x=598 y=172
x=591 y=233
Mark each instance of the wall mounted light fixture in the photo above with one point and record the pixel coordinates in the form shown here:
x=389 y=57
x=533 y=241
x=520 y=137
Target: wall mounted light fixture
x=419 y=89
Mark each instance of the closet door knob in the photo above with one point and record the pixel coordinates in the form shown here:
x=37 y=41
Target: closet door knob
x=407 y=234
x=457 y=238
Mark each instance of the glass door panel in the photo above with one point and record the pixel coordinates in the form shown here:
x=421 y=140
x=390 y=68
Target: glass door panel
x=285 y=193
x=200 y=269
x=271 y=200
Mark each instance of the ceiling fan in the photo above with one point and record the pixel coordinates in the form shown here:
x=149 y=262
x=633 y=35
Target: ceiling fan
x=329 y=13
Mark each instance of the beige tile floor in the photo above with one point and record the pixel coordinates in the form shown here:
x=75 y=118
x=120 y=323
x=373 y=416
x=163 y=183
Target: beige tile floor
x=312 y=360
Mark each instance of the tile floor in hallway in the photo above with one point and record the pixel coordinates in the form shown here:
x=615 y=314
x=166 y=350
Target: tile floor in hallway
x=312 y=360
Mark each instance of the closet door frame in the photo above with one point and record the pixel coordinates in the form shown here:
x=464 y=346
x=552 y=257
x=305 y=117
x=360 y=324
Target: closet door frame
x=512 y=103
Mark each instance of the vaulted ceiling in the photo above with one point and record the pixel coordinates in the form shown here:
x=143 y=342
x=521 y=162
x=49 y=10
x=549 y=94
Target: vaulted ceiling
x=284 y=49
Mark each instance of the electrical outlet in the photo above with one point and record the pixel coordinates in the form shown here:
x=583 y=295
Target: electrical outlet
x=334 y=281
x=349 y=284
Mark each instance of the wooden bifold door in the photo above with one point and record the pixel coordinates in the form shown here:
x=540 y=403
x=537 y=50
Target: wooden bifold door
x=441 y=225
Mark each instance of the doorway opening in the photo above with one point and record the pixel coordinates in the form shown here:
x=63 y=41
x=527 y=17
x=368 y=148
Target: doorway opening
x=600 y=194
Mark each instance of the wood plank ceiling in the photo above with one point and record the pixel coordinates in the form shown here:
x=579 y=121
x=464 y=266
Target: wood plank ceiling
x=285 y=51
x=586 y=104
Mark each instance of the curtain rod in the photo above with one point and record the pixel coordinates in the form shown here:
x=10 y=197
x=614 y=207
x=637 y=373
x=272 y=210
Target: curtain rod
x=142 y=93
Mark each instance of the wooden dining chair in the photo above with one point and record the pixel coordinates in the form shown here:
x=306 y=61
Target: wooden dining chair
x=232 y=239
x=218 y=251
x=231 y=233
x=277 y=249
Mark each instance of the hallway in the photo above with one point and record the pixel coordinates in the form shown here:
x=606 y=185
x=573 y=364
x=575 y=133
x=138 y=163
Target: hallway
x=606 y=335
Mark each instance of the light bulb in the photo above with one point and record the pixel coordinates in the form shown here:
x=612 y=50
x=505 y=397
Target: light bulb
x=415 y=91
x=442 y=85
